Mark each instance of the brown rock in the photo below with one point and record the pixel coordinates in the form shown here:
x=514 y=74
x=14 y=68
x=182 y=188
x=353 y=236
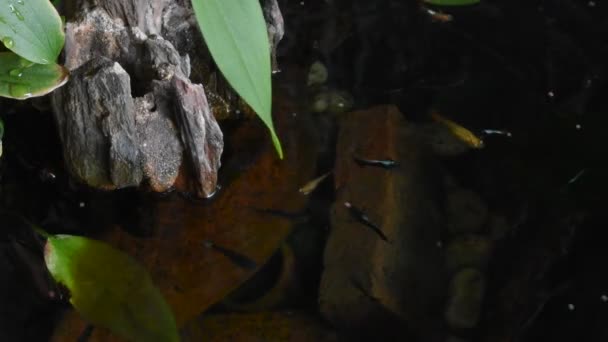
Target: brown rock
x=113 y=139
x=160 y=147
x=468 y=251
x=365 y=275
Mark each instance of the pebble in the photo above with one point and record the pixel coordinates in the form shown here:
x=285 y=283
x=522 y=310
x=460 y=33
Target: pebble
x=465 y=298
x=317 y=74
x=468 y=251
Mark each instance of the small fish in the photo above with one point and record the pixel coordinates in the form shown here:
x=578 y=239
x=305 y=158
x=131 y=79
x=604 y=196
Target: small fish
x=362 y=217
x=47 y=175
x=385 y=163
x=238 y=259
x=496 y=132
x=577 y=176
x=357 y=284
x=313 y=184
x=460 y=132
x=439 y=16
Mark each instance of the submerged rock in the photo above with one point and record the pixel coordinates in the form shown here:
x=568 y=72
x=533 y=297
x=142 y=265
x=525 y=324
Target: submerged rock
x=381 y=264
x=468 y=251
x=467 y=289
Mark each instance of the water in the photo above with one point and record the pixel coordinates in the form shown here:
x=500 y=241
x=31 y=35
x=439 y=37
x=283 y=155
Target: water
x=8 y=42
x=530 y=81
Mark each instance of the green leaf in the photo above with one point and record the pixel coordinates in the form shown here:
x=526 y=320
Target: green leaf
x=32 y=29
x=110 y=289
x=236 y=35
x=21 y=79
x=452 y=2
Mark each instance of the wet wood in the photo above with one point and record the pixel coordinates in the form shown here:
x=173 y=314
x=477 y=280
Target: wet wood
x=130 y=115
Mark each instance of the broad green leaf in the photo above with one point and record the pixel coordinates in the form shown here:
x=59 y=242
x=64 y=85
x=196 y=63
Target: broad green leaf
x=32 y=29
x=21 y=79
x=235 y=33
x=110 y=289
x=452 y=2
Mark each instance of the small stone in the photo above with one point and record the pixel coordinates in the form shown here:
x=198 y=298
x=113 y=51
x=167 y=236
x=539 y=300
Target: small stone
x=320 y=103
x=339 y=102
x=317 y=74
x=465 y=298
x=332 y=101
x=468 y=251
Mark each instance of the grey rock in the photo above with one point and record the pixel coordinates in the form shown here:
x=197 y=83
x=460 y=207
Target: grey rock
x=160 y=60
x=160 y=147
x=465 y=299
x=98 y=130
x=468 y=251
x=130 y=115
x=144 y=14
x=276 y=28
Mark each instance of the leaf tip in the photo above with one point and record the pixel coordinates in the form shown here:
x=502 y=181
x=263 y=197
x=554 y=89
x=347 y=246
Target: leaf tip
x=277 y=143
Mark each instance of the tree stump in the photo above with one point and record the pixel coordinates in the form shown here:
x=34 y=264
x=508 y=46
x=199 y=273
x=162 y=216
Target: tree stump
x=130 y=115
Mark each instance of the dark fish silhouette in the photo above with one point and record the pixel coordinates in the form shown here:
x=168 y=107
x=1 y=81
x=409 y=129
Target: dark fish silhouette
x=362 y=217
x=357 y=284
x=384 y=163
x=238 y=259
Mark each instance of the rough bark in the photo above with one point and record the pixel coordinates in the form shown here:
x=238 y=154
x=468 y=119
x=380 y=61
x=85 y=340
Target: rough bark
x=130 y=114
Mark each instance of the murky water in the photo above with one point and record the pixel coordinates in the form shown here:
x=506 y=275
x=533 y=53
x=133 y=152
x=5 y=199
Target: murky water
x=514 y=239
